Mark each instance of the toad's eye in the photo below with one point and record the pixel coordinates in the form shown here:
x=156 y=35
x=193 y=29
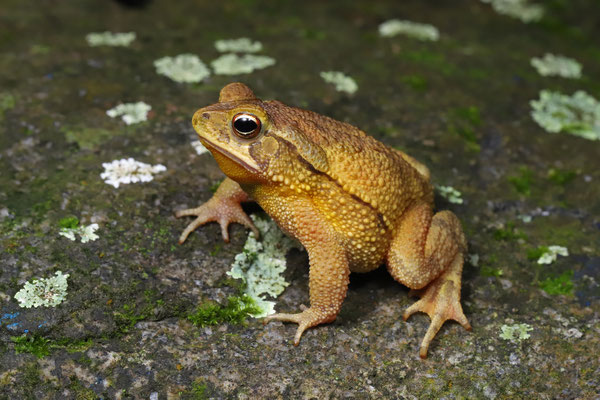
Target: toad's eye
x=245 y=125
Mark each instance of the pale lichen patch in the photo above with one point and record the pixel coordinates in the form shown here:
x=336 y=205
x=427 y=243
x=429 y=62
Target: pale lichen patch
x=130 y=113
x=557 y=65
x=515 y=333
x=122 y=39
x=552 y=253
x=261 y=264
x=128 y=170
x=187 y=68
x=411 y=29
x=519 y=9
x=342 y=82
x=240 y=45
x=233 y=64
x=578 y=114
x=47 y=292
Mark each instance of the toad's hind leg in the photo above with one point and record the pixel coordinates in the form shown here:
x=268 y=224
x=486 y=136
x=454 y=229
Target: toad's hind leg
x=427 y=253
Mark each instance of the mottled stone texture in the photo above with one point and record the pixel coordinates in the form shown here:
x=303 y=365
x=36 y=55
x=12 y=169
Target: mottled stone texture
x=460 y=105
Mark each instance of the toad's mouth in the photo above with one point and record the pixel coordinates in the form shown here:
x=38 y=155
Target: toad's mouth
x=213 y=147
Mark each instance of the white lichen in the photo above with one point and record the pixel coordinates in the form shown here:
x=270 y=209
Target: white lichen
x=415 y=30
x=128 y=170
x=525 y=218
x=187 y=68
x=516 y=332
x=557 y=65
x=551 y=254
x=473 y=259
x=130 y=113
x=240 y=45
x=578 y=114
x=107 y=38
x=86 y=233
x=519 y=9
x=233 y=64
x=199 y=147
x=450 y=194
x=261 y=264
x=342 y=83
x=47 y=292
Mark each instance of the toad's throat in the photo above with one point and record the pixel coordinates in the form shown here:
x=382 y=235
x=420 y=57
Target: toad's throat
x=213 y=147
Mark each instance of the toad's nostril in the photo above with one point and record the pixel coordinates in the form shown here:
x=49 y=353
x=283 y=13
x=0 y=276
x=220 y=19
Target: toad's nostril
x=206 y=115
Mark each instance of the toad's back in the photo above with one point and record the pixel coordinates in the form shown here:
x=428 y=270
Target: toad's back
x=386 y=179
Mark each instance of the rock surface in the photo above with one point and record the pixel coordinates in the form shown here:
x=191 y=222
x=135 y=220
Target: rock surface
x=459 y=104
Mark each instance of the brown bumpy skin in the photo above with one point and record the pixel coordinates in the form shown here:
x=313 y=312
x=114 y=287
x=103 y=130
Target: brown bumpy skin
x=353 y=203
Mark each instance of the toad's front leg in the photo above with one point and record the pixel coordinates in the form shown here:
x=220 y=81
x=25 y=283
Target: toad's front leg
x=329 y=270
x=224 y=207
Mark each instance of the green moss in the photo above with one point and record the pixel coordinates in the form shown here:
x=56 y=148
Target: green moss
x=87 y=138
x=509 y=232
x=34 y=344
x=41 y=346
x=215 y=186
x=7 y=102
x=522 y=182
x=559 y=285
x=430 y=59
x=561 y=177
x=235 y=312
x=464 y=122
x=199 y=390
x=416 y=82
x=69 y=223
x=489 y=271
x=535 y=254
x=81 y=392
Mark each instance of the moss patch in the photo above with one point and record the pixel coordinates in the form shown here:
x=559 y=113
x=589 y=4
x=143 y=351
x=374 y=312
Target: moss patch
x=237 y=310
x=562 y=284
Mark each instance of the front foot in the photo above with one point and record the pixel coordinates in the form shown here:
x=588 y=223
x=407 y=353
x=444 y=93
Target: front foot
x=306 y=319
x=441 y=301
x=221 y=210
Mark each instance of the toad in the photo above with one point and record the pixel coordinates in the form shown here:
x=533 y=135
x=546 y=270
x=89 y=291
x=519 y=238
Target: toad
x=353 y=202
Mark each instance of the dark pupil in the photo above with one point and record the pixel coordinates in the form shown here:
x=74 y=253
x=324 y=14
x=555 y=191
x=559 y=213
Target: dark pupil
x=245 y=125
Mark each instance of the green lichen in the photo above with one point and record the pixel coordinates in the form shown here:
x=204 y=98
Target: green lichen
x=411 y=29
x=516 y=332
x=187 y=68
x=342 y=82
x=522 y=182
x=47 y=292
x=577 y=115
x=557 y=65
x=261 y=264
x=233 y=64
x=236 y=311
x=561 y=284
x=240 y=45
x=107 y=38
